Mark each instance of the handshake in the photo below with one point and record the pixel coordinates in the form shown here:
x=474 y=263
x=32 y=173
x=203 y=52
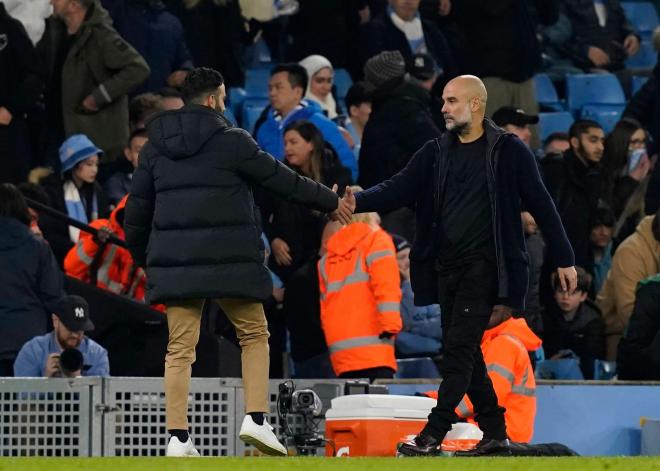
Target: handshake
x=345 y=208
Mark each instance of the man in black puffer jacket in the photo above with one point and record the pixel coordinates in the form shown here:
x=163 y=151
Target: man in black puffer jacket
x=191 y=220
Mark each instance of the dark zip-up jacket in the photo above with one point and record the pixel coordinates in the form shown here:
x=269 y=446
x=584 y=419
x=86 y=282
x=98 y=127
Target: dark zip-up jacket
x=513 y=178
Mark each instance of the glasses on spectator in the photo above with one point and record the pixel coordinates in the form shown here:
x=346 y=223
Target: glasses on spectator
x=323 y=79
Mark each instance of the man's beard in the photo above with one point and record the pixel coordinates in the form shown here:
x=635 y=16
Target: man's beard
x=460 y=129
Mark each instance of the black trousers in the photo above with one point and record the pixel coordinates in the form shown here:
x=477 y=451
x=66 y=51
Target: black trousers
x=467 y=294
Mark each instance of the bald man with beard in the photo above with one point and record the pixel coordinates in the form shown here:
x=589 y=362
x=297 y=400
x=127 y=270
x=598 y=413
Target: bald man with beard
x=468 y=188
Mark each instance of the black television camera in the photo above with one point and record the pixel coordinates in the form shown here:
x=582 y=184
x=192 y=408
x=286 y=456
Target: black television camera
x=306 y=405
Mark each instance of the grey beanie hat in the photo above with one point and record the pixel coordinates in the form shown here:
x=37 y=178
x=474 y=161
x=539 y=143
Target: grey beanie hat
x=388 y=66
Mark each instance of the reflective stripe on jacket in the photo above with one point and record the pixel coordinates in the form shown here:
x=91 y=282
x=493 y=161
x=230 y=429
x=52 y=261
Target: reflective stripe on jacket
x=116 y=271
x=505 y=348
x=360 y=298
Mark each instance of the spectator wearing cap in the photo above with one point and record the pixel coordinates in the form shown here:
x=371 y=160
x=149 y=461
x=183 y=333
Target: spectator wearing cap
x=75 y=193
x=423 y=68
x=421 y=334
x=400 y=123
x=400 y=28
x=516 y=121
x=43 y=356
x=320 y=74
x=286 y=89
x=602 y=232
x=30 y=280
x=358 y=106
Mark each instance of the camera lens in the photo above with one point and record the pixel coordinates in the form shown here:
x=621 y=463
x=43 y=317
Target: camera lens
x=306 y=399
x=71 y=360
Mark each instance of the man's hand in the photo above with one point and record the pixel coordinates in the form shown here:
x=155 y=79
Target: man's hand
x=345 y=207
x=103 y=235
x=176 y=78
x=52 y=368
x=281 y=251
x=597 y=56
x=89 y=103
x=5 y=116
x=631 y=45
x=567 y=278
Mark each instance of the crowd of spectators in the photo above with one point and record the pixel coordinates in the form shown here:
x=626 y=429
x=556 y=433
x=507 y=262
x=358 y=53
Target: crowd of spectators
x=80 y=81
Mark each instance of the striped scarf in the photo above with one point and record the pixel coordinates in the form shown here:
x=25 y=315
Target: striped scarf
x=75 y=208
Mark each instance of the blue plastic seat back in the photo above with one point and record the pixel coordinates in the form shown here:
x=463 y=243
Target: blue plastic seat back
x=416 y=368
x=593 y=89
x=559 y=121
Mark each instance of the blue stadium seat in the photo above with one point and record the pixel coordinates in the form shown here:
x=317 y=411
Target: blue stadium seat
x=229 y=114
x=256 y=82
x=643 y=16
x=343 y=82
x=593 y=89
x=236 y=97
x=554 y=122
x=604 y=370
x=606 y=115
x=646 y=58
x=546 y=94
x=250 y=115
x=416 y=368
x=637 y=83
x=565 y=368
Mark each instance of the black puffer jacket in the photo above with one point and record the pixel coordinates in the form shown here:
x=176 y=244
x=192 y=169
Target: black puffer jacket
x=191 y=218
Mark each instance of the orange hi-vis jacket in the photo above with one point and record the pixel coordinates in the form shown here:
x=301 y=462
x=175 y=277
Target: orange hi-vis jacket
x=116 y=271
x=505 y=348
x=360 y=298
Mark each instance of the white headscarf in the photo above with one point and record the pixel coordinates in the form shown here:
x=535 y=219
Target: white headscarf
x=312 y=65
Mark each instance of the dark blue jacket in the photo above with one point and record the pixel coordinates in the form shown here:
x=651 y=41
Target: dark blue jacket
x=381 y=34
x=156 y=34
x=513 y=178
x=30 y=283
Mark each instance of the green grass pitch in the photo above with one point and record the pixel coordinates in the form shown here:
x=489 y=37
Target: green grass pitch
x=330 y=464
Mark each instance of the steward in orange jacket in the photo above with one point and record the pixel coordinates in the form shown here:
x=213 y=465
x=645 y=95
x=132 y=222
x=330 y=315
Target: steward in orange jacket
x=116 y=271
x=505 y=348
x=360 y=300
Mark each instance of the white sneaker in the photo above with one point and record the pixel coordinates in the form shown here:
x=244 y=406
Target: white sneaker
x=261 y=437
x=177 y=448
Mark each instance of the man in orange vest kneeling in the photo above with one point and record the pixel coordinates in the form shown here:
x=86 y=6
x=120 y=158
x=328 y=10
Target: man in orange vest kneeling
x=111 y=265
x=505 y=346
x=360 y=299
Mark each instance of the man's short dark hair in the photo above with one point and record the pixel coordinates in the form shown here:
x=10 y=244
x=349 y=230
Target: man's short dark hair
x=583 y=280
x=556 y=136
x=12 y=204
x=582 y=126
x=296 y=72
x=199 y=83
x=139 y=132
x=355 y=96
